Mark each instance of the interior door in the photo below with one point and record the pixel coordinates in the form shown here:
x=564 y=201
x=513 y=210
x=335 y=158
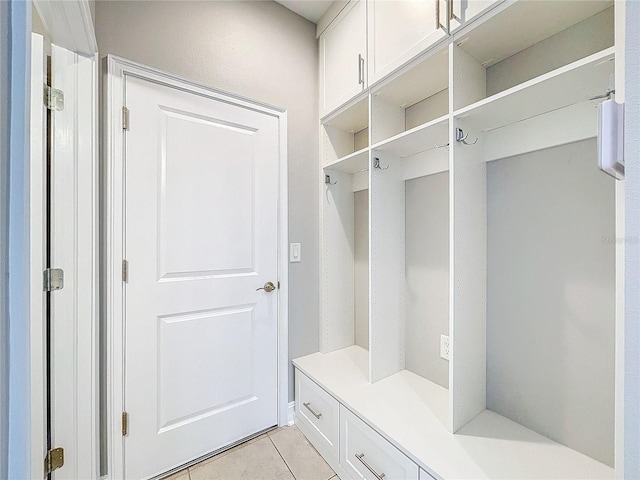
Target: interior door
x=201 y=245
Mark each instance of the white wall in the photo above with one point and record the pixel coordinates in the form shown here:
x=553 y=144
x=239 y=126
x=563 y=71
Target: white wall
x=259 y=50
x=632 y=246
x=427 y=275
x=551 y=295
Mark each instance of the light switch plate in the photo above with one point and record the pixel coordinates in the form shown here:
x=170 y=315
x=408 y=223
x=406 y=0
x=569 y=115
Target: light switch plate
x=295 y=252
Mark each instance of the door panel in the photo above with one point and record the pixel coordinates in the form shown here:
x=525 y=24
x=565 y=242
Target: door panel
x=201 y=237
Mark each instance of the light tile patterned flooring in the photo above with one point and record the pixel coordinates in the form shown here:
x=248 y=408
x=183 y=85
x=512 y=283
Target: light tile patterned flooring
x=282 y=454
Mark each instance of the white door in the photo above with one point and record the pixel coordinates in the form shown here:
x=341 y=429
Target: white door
x=200 y=239
x=343 y=50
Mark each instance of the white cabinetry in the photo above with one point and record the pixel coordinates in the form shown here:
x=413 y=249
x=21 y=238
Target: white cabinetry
x=471 y=138
x=343 y=53
x=398 y=30
x=461 y=12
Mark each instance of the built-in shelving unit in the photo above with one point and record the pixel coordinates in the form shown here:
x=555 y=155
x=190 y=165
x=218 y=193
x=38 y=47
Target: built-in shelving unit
x=500 y=113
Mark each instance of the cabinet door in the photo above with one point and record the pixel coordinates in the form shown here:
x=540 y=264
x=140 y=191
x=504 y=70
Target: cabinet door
x=400 y=30
x=343 y=50
x=463 y=11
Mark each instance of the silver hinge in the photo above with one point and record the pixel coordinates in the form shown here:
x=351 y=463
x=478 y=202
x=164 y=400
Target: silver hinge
x=54 y=460
x=125 y=270
x=125 y=118
x=53 y=98
x=53 y=279
x=125 y=423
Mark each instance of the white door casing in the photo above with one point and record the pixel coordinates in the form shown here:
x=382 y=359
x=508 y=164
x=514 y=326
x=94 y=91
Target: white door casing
x=201 y=283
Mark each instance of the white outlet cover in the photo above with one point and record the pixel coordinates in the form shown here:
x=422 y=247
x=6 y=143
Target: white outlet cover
x=444 y=347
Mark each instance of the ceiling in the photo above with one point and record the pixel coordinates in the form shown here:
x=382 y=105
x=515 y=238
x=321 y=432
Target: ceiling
x=309 y=9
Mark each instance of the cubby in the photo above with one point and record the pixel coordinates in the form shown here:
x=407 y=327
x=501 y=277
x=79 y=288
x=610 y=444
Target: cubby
x=524 y=41
x=345 y=135
x=417 y=95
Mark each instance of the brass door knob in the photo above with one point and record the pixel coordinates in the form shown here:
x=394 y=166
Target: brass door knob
x=268 y=287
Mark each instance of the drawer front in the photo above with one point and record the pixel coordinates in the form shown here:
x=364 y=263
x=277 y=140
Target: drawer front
x=366 y=454
x=318 y=414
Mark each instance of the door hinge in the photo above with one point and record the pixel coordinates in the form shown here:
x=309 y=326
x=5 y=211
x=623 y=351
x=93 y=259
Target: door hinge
x=53 y=98
x=125 y=270
x=125 y=118
x=54 y=460
x=125 y=423
x=53 y=279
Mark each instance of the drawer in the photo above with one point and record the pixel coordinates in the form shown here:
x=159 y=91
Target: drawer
x=317 y=415
x=366 y=454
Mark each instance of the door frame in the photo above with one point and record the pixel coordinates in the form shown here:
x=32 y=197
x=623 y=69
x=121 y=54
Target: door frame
x=112 y=246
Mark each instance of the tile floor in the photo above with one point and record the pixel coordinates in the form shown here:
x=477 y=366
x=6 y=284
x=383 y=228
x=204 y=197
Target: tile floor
x=282 y=454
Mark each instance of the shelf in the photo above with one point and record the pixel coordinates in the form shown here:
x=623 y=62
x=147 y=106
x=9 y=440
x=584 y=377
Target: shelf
x=352 y=118
x=563 y=87
x=412 y=413
x=352 y=163
x=416 y=140
x=522 y=24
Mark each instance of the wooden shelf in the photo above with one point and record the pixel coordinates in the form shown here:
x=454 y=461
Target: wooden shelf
x=563 y=87
x=412 y=413
x=352 y=163
x=416 y=140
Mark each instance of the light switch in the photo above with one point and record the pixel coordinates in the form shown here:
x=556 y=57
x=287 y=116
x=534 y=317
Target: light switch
x=295 y=253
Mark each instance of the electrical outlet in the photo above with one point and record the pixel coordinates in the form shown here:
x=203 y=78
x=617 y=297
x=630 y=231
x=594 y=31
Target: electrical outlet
x=444 y=347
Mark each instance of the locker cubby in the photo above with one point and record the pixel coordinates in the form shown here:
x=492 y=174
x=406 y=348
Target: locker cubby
x=533 y=324
x=525 y=41
x=416 y=96
x=409 y=266
x=345 y=135
x=343 y=301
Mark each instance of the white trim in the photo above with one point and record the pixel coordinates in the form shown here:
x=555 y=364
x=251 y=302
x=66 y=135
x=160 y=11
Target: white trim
x=114 y=81
x=291 y=413
x=37 y=258
x=69 y=24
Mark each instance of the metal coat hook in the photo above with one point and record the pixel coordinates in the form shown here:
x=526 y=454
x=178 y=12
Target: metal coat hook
x=462 y=138
x=606 y=95
x=376 y=164
x=327 y=180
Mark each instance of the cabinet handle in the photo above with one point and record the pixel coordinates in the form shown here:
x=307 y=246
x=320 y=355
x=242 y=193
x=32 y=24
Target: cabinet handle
x=317 y=415
x=360 y=69
x=438 y=24
x=452 y=15
x=360 y=456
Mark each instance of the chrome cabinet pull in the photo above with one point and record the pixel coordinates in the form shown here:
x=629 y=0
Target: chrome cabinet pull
x=360 y=69
x=360 y=456
x=438 y=24
x=317 y=415
x=452 y=15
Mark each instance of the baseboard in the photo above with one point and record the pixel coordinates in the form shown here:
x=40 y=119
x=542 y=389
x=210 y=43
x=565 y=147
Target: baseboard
x=291 y=413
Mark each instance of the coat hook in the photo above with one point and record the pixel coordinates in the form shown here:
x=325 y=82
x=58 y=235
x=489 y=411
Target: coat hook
x=606 y=95
x=376 y=164
x=461 y=137
x=327 y=180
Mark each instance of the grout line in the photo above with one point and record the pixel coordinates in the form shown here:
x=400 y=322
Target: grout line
x=285 y=462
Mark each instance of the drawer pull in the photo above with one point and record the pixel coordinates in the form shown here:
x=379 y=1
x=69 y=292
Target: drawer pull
x=360 y=456
x=317 y=415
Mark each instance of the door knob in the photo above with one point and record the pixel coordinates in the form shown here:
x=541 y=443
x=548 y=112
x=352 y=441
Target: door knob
x=268 y=287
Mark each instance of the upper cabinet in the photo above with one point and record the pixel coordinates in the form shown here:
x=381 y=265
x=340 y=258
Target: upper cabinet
x=462 y=12
x=399 y=30
x=343 y=53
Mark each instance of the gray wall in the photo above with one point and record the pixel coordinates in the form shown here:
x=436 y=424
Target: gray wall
x=361 y=267
x=259 y=50
x=551 y=296
x=427 y=275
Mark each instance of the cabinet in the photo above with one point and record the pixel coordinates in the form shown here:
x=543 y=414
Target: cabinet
x=400 y=30
x=461 y=12
x=478 y=161
x=343 y=53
